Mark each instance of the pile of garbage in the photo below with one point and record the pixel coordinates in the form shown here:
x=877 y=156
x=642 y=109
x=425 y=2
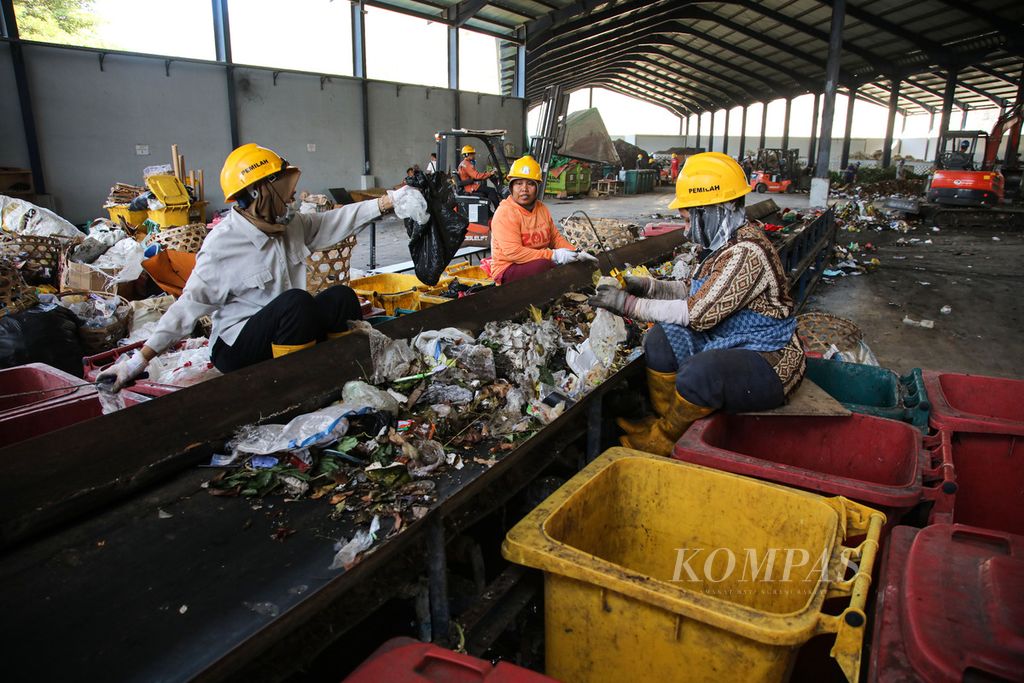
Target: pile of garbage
x=853 y=257
x=442 y=401
x=881 y=189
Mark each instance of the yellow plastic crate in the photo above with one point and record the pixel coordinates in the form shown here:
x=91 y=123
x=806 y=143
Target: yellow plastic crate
x=622 y=604
x=466 y=269
x=390 y=291
x=169 y=190
x=132 y=218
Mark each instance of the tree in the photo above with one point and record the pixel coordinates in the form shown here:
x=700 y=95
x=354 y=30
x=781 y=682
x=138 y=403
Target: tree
x=56 y=21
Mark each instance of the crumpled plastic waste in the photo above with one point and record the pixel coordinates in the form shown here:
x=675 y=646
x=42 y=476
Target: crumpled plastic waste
x=347 y=552
x=358 y=393
x=185 y=366
x=125 y=257
x=392 y=358
x=146 y=311
x=110 y=401
x=410 y=204
x=522 y=349
x=473 y=362
x=432 y=345
x=446 y=393
x=102 y=236
x=429 y=457
x=607 y=331
x=318 y=428
x=94 y=311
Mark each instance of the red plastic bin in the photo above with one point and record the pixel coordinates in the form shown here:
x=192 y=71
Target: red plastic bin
x=35 y=383
x=989 y=472
x=950 y=606
x=975 y=403
x=404 y=660
x=25 y=424
x=871 y=460
x=655 y=229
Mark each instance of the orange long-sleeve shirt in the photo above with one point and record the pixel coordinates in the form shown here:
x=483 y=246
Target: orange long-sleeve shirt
x=467 y=171
x=521 y=236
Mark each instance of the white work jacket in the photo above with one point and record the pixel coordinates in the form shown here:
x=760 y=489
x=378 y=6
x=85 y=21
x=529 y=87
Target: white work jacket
x=240 y=269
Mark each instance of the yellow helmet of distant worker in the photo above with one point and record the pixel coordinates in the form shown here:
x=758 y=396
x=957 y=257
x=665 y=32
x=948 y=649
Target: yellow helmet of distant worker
x=249 y=164
x=525 y=168
x=709 y=178
x=468 y=149
x=674 y=155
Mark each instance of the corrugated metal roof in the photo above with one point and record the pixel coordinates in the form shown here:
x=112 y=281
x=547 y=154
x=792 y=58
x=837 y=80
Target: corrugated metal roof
x=699 y=56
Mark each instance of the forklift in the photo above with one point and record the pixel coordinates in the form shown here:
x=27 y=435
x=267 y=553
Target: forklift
x=476 y=209
x=776 y=170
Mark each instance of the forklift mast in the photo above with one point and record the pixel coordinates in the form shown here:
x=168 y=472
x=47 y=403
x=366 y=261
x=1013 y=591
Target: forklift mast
x=551 y=133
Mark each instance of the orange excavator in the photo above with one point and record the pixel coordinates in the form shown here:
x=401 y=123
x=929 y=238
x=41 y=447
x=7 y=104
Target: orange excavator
x=959 y=181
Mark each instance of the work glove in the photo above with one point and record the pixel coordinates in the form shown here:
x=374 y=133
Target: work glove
x=638 y=286
x=610 y=298
x=563 y=256
x=122 y=373
x=585 y=256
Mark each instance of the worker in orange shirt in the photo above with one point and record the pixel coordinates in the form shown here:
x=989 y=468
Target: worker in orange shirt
x=524 y=239
x=674 y=170
x=468 y=174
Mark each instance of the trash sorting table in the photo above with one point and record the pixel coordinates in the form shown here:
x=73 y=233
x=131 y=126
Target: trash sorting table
x=111 y=547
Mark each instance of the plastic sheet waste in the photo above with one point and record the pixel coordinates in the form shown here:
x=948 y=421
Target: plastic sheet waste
x=522 y=349
x=357 y=393
x=42 y=335
x=318 y=428
x=125 y=257
x=347 y=552
x=25 y=218
x=392 y=358
x=184 y=367
x=410 y=204
x=146 y=311
x=433 y=345
x=607 y=331
x=433 y=244
x=110 y=401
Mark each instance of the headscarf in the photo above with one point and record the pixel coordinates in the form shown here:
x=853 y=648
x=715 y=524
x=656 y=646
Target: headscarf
x=713 y=225
x=270 y=211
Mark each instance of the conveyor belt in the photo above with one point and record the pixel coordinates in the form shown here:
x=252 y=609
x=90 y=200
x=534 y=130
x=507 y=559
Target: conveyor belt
x=94 y=572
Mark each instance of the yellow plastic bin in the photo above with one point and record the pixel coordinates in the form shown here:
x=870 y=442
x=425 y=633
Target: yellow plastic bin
x=391 y=291
x=658 y=570
x=432 y=296
x=169 y=190
x=132 y=218
x=466 y=269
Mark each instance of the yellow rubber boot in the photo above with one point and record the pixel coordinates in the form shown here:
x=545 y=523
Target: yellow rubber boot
x=663 y=434
x=661 y=388
x=278 y=350
x=338 y=335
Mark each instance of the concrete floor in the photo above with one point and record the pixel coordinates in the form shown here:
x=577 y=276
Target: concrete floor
x=979 y=277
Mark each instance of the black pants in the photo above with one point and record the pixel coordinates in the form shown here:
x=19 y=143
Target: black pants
x=732 y=380
x=295 y=317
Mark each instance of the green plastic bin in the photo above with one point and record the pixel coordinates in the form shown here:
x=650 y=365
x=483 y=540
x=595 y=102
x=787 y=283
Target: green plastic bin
x=633 y=181
x=874 y=391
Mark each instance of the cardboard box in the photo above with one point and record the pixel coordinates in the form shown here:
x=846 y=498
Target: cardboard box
x=81 y=276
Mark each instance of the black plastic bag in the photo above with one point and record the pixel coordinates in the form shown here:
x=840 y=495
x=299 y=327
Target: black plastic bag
x=38 y=336
x=433 y=245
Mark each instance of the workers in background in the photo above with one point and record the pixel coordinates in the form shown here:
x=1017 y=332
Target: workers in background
x=674 y=168
x=524 y=239
x=250 y=274
x=901 y=170
x=468 y=174
x=727 y=341
x=431 y=168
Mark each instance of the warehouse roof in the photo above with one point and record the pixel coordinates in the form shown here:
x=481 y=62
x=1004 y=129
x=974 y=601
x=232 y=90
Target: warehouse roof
x=698 y=56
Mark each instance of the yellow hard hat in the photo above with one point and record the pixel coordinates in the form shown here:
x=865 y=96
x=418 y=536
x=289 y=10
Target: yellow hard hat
x=674 y=155
x=709 y=178
x=248 y=164
x=468 y=149
x=525 y=168
x=639 y=156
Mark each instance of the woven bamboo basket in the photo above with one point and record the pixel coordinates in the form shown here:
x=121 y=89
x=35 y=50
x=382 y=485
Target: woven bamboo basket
x=15 y=295
x=818 y=331
x=613 y=233
x=43 y=255
x=186 y=238
x=329 y=267
x=99 y=339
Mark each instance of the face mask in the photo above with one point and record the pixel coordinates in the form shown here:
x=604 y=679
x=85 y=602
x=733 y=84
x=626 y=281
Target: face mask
x=713 y=225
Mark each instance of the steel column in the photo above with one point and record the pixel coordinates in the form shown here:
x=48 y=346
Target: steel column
x=764 y=123
x=359 y=71
x=947 y=110
x=519 y=80
x=698 y=131
x=851 y=101
x=931 y=127
x=890 y=123
x=814 y=130
x=222 y=44
x=963 y=119
x=28 y=119
x=1013 y=135
x=711 y=133
x=725 y=136
x=453 y=72
x=743 y=132
x=820 y=181
x=785 y=123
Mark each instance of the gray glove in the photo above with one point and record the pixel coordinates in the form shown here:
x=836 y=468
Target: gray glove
x=610 y=298
x=638 y=286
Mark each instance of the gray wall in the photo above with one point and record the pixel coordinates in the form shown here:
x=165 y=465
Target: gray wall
x=89 y=122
